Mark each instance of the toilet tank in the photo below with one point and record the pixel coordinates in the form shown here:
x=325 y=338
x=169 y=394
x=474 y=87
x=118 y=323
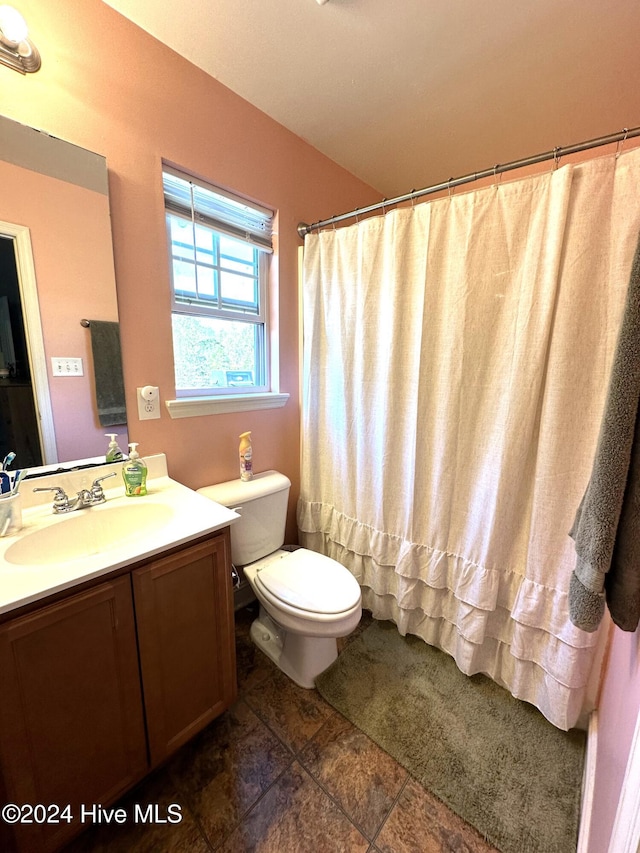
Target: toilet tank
x=262 y=505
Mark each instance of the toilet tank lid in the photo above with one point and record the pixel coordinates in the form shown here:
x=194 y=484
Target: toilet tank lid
x=236 y=492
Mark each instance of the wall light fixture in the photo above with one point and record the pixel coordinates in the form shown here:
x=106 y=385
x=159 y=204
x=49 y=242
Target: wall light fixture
x=16 y=50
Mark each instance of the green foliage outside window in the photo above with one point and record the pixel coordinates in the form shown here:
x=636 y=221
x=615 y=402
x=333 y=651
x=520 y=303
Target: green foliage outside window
x=205 y=348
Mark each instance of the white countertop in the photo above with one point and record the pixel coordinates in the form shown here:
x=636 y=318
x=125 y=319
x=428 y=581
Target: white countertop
x=186 y=516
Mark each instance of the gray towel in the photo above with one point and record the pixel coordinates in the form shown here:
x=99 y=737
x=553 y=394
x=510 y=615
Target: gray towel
x=622 y=581
x=107 y=368
x=606 y=527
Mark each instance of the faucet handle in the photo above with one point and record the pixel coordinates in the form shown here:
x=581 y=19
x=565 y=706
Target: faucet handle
x=96 y=488
x=60 y=500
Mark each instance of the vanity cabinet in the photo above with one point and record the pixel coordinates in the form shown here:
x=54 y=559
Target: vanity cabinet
x=100 y=685
x=184 y=611
x=71 y=723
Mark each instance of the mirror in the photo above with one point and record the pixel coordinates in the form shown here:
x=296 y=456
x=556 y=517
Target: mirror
x=56 y=270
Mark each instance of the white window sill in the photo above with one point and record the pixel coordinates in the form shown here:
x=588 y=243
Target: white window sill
x=191 y=407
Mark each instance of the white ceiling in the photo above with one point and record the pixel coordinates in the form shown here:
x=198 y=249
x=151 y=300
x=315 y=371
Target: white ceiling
x=406 y=93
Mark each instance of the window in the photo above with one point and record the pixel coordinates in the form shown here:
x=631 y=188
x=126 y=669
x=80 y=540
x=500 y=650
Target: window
x=219 y=247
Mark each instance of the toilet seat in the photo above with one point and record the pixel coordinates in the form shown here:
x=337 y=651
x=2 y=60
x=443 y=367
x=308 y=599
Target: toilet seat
x=311 y=582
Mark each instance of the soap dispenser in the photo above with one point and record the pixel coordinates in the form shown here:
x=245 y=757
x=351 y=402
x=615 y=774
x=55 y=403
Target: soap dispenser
x=134 y=473
x=114 y=454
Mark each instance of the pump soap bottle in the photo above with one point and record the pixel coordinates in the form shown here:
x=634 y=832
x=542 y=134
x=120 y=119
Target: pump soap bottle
x=246 y=464
x=134 y=473
x=114 y=454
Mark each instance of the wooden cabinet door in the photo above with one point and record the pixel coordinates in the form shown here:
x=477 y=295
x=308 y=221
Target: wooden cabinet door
x=184 y=613
x=71 y=720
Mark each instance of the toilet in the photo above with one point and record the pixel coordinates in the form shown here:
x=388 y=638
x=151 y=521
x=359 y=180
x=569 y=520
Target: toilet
x=306 y=600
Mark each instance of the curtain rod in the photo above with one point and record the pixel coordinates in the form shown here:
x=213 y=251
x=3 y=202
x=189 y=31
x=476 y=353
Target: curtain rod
x=555 y=154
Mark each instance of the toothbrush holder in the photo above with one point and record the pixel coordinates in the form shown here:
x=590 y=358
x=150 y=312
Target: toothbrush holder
x=10 y=514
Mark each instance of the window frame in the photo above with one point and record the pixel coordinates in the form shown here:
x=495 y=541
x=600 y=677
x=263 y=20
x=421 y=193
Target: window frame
x=261 y=389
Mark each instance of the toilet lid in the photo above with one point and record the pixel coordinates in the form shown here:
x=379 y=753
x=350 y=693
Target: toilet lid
x=310 y=581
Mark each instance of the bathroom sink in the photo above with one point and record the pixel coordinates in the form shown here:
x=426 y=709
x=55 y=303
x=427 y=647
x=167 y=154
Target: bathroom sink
x=89 y=531
x=54 y=552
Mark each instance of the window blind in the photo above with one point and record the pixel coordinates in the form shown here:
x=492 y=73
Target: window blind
x=218 y=209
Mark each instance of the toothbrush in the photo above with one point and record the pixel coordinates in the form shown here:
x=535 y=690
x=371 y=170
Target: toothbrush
x=18 y=478
x=8 y=459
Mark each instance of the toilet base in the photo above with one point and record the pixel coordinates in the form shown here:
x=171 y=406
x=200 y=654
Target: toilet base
x=301 y=658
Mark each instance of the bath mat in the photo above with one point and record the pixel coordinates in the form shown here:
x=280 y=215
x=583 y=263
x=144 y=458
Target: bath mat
x=495 y=761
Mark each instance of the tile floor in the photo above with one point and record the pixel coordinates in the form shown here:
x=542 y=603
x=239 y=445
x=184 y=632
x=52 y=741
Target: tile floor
x=283 y=772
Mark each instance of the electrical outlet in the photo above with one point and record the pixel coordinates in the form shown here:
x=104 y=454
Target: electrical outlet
x=148 y=402
x=67 y=367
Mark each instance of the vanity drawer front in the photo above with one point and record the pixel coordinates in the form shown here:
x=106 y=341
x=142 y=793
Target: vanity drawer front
x=71 y=724
x=184 y=613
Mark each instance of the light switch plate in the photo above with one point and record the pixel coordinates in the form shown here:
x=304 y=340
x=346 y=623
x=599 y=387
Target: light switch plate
x=67 y=366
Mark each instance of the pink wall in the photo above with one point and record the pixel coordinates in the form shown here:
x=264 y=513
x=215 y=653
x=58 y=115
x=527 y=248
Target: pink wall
x=618 y=710
x=107 y=86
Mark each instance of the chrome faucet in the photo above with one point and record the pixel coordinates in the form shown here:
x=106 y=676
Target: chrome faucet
x=85 y=497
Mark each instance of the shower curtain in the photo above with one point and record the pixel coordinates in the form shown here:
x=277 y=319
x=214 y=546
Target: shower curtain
x=456 y=358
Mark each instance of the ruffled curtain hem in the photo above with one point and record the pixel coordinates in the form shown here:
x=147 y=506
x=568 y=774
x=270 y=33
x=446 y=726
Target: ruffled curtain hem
x=495 y=622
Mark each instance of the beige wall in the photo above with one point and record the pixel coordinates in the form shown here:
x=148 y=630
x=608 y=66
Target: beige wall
x=107 y=86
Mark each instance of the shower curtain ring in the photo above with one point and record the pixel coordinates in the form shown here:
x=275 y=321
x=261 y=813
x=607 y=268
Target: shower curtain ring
x=384 y=209
x=497 y=175
x=355 y=213
x=621 y=142
x=556 y=157
x=449 y=185
x=413 y=197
